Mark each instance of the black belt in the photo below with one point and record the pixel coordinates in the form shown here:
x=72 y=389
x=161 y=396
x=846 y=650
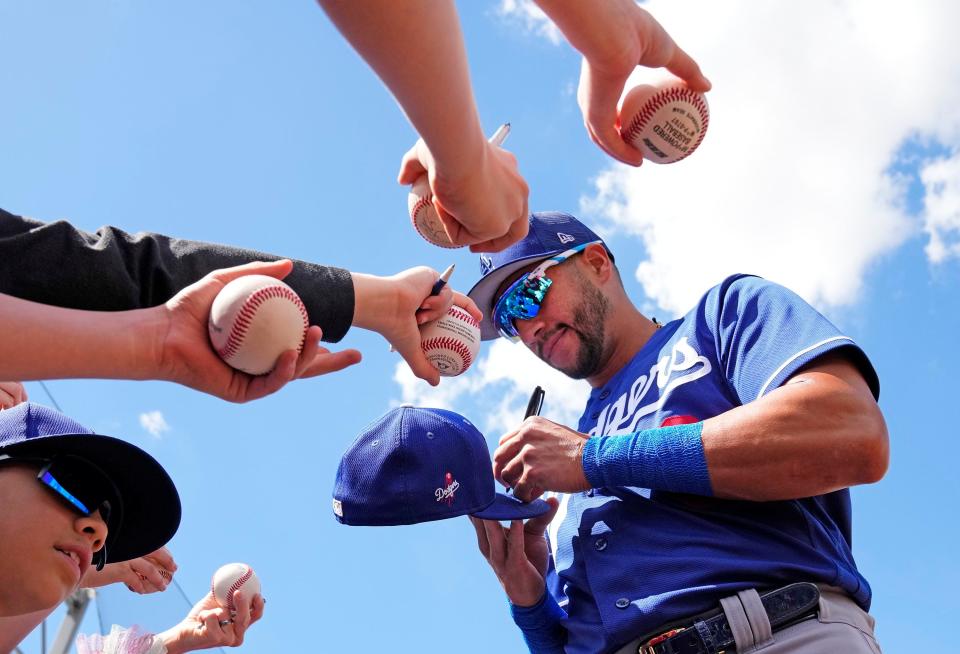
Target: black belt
x=711 y=634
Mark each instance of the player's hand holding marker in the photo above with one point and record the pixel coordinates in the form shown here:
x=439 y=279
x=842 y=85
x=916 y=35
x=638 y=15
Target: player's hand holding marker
x=484 y=205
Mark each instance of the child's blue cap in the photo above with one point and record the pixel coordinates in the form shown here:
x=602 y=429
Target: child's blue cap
x=151 y=505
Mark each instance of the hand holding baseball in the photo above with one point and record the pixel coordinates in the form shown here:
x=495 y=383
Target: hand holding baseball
x=210 y=625
x=616 y=36
x=666 y=122
x=183 y=351
x=540 y=456
x=451 y=342
x=397 y=306
x=484 y=206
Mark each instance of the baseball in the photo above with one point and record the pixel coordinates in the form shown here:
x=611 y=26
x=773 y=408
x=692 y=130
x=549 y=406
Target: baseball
x=424 y=217
x=451 y=343
x=253 y=320
x=231 y=578
x=665 y=122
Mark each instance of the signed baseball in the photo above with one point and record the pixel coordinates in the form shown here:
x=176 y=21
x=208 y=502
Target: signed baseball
x=233 y=577
x=254 y=320
x=451 y=343
x=665 y=122
x=424 y=217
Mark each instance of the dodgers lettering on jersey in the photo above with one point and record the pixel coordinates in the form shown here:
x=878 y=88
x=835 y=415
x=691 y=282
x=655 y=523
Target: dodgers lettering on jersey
x=629 y=560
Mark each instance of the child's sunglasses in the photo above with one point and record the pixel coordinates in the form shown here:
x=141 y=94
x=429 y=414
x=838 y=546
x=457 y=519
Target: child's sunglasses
x=84 y=487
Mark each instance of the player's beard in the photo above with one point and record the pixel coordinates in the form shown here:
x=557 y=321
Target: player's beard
x=589 y=321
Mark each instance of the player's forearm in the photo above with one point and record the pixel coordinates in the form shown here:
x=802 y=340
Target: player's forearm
x=541 y=625
x=816 y=434
x=44 y=342
x=820 y=432
x=416 y=47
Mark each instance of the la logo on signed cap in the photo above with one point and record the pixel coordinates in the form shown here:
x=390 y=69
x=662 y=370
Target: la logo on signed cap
x=419 y=464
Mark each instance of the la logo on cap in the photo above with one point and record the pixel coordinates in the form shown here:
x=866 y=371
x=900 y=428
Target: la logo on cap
x=450 y=486
x=565 y=238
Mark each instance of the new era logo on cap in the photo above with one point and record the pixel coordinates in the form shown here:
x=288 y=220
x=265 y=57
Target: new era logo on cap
x=566 y=238
x=486 y=263
x=416 y=465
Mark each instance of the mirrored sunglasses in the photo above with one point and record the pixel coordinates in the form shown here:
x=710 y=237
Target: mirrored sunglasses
x=523 y=298
x=84 y=487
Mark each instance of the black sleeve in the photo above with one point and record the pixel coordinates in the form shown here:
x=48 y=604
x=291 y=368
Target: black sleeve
x=111 y=270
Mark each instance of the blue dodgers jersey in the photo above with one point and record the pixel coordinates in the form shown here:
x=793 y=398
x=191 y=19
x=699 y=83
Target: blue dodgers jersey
x=627 y=561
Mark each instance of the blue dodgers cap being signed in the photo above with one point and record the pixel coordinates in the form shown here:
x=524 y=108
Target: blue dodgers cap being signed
x=551 y=232
x=416 y=465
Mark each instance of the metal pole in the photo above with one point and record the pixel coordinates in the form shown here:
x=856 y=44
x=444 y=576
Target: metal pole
x=76 y=606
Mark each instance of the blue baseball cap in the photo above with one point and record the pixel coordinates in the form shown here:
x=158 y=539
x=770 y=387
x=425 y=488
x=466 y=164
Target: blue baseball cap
x=551 y=232
x=416 y=465
x=151 y=504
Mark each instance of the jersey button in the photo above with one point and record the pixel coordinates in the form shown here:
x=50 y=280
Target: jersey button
x=623 y=603
x=600 y=544
x=605 y=394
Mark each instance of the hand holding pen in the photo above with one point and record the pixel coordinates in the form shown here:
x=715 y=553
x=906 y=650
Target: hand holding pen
x=435 y=290
x=478 y=200
x=540 y=456
x=534 y=404
x=443 y=279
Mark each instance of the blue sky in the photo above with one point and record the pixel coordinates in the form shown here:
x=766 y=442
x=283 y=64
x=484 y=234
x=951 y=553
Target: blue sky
x=831 y=166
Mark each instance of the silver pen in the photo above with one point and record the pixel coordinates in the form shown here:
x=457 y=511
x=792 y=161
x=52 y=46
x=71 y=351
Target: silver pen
x=500 y=135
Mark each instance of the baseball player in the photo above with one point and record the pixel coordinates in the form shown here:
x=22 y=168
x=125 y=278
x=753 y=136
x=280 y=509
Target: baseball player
x=703 y=501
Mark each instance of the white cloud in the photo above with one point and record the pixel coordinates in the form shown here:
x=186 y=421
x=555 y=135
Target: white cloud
x=811 y=104
x=494 y=393
x=530 y=18
x=154 y=423
x=941 y=215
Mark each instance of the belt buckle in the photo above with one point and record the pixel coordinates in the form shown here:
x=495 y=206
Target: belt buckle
x=647 y=647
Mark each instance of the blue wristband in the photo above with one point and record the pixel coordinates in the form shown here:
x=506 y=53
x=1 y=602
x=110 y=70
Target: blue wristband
x=668 y=458
x=541 y=625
